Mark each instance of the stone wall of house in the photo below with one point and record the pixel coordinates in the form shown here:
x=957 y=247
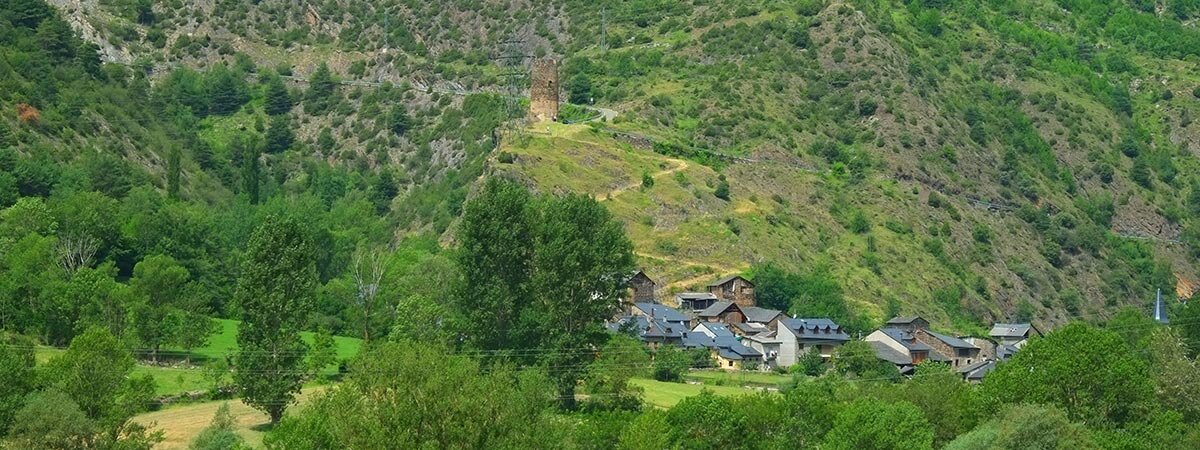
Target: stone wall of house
x=941 y=347
x=543 y=90
x=643 y=288
x=736 y=290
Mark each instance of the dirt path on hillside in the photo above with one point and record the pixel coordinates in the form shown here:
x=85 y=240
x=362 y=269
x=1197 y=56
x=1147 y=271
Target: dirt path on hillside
x=181 y=424
x=680 y=165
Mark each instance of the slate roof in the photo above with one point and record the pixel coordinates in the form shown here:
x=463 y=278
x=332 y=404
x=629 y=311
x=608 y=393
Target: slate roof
x=751 y=328
x=763 y=315
x=731 y=348
x=952 y=341
x=716 y=329
x=660 y=311
x=727 y=279
x=1006 y=351
x=715 y=310
x=769 y=337
x=647 y=329
x=725 y=343
x=906 y=339
x=886 y=353
x=815 y=329
x=695 y=295
x=977 y=370
x=1010 y=330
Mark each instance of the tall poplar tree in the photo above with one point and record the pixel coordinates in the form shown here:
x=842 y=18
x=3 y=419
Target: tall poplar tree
x=541 y=275
x=276 y=292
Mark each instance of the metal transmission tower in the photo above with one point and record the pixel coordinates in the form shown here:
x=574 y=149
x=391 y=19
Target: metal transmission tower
x=511 y=60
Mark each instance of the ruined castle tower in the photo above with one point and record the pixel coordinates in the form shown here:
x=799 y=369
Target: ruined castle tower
x=543 y=90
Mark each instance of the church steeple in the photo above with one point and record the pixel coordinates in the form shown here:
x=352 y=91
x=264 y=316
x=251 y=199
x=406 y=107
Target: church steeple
x=1160 y=313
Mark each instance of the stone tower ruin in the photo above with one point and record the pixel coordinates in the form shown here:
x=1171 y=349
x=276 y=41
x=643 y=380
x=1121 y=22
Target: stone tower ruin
x=543 y=90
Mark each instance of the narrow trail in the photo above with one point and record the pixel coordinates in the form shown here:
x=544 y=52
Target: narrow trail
x=680 y=165
x=719 y=269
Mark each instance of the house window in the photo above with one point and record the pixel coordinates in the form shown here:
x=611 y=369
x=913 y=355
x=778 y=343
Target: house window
x=731 y=364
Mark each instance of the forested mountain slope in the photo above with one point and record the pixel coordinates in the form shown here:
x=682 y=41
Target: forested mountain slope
x=969 y=160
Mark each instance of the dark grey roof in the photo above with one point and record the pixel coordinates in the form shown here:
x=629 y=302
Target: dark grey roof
x=647 y=329
x=815 y=329
x=695 y=296
x=977 y=370
x=952 y=341
x=727 y=345
x=660 y=311
x=727 y=279
x=886 y=353
x=1010 y=330
x=1006 y=351
x=905 y=338
x=769 y=337
x=757 y=314
x=716 y=329
x=751 y=328
x=716 y=309
x=904 y=320
x=733 y=345
x=696 y=339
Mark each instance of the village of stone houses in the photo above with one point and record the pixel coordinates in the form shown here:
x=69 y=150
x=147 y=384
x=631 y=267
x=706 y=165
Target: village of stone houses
x=738 y=335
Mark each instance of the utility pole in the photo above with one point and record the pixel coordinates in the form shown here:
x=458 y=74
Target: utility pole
x=604 y=29
x=386 y=47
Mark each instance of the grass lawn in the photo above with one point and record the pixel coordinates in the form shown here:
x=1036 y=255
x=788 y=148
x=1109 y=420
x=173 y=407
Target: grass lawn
x=665 y=395
x=724 y=378
x=224 y=342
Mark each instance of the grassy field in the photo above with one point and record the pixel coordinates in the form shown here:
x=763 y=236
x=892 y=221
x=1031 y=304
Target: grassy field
x=176 y=380
x=723 y=378
x=665 y=395
x=180 y=425
x=224 y=342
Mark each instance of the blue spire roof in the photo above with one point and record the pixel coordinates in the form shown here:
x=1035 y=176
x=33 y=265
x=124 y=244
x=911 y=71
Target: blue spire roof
x=1160 y=313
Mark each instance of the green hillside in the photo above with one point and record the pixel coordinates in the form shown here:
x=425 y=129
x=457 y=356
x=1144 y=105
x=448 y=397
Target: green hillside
x=970 y=161
x=955 y=160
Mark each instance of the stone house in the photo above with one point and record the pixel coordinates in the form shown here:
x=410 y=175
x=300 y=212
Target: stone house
x=799 y=336
x=727 y=350
x=1010 y=337
x=723 y=312
x=902 y=348
x=695 y=301
x=643 y=287
x=959 y=352
x=733 y=288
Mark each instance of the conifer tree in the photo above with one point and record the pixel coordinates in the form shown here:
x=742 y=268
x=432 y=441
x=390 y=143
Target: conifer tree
x=277 y=100
x=173 y=169
x=279 y=134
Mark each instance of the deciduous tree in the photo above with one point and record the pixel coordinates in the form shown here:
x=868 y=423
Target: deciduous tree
x=876 y=424
x=1089 y=372
x=275 y=291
